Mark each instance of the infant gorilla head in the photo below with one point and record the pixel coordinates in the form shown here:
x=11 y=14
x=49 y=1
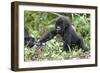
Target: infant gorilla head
x=62 y=23
x=64 y=28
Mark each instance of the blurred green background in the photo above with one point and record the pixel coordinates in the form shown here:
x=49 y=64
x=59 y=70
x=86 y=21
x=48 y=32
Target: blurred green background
x=39 y=23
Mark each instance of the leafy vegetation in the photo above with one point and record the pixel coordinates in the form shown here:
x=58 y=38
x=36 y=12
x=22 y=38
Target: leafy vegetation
x=40 y=22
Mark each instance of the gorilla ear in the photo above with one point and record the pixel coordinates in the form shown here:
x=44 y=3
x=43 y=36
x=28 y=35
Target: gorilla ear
x=68 y=20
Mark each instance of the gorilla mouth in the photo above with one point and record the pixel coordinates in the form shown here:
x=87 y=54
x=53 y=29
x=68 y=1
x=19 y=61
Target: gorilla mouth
x=58 y=29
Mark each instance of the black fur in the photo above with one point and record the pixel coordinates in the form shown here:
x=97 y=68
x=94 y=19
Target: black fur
x=28 y=40
x=64 y=28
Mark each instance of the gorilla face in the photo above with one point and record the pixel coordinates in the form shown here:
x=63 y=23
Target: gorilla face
x=62 y=23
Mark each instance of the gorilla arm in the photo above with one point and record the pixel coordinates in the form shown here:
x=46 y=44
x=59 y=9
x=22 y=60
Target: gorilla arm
x=48 y=36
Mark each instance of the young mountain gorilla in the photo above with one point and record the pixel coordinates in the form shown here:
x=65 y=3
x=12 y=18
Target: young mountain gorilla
x=64 y=28
x=28 y=40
